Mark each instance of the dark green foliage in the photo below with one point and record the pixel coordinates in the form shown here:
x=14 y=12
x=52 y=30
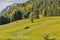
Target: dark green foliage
x=4 y=20
x=17 y=15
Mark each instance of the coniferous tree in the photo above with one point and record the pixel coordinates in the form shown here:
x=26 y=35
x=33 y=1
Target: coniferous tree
x=31 y=17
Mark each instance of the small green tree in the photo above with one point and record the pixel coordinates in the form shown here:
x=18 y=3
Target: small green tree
x=31 y=17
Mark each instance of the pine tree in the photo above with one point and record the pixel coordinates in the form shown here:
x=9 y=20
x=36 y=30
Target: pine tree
x=31 y=17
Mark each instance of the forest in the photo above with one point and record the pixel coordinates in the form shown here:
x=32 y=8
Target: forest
x=31 y=9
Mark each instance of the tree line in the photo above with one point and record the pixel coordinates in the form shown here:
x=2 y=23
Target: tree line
x=31 y=10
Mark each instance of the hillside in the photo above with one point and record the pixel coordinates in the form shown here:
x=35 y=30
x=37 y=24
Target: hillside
x=31 y=20
x=24 y=10
x=36 y=31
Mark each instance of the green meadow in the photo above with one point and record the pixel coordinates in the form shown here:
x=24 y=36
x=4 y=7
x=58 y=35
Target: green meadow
x=44 y=26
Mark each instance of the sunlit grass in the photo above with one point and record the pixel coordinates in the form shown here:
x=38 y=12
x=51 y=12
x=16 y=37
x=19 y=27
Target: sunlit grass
x=40 y=27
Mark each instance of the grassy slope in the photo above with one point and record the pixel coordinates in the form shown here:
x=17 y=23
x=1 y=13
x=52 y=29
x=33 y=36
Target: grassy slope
x=37 y=30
